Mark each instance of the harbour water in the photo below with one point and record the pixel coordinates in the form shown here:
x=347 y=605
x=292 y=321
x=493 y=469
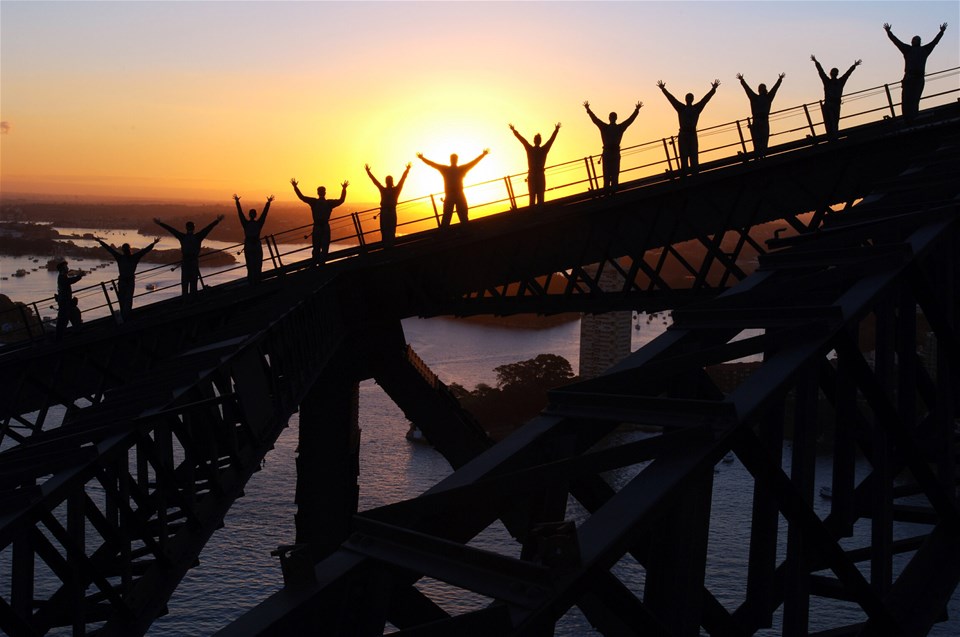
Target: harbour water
x=236 y=570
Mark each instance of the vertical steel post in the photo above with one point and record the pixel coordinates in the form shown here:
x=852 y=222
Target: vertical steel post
x=893 y=111
x=806 y=111
x=743 y=143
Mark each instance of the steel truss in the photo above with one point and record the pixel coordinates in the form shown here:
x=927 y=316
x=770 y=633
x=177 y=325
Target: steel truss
x=806 y=312
x=109 y=510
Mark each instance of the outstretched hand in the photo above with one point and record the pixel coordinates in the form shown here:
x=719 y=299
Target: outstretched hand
x=420 y=155
x=639 y=105
x=943 y=27
x=781 y=76
x=858 y=63
x=345 y=184
x=511 y=127
x=270 y=198
x=715 y=83
x=366 y=167
x=486 y=151
x=236 y=197
x=813 y=58
x=661 y=84
x=586 y=105
x=409 y=164
x=156 y=240
x=740 y=76
x=293 y=181
x=558 y=125
x=219 y=218
x=886 y=26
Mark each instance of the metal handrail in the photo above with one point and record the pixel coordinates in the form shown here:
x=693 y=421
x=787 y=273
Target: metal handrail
x=360 y=233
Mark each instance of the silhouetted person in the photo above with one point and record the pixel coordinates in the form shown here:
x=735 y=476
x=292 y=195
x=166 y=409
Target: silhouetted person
x=68 y=310
x=611 y=133
x=252 y=248
x=453 y=175
x=832 y=92
x=914 y=68
x=320 y=209
x=389 y=195
x=189 y=252
x=689 y=114
x=126 y=272
x=536 y=163
x=760 y=103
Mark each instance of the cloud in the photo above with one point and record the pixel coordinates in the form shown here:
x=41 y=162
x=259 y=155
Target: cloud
x=5 y=127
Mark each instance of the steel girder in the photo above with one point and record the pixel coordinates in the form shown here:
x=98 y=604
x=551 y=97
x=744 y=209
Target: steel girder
x=818 y=307
x=109 y=512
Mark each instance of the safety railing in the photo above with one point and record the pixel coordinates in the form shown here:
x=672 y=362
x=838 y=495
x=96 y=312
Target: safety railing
x=656 y=160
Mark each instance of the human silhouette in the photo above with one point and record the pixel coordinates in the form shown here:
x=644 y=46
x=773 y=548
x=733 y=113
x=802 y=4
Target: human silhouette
x=832 y=92
x=760 y=102
x=127 y=261
x=453 y=175
x=320 y=209
x=189 y=252
x=689 y=114
x=68 y=309
x=610 y=134
x=389 y=195
x=252 y=248
x=536 y=163
x=914 y=68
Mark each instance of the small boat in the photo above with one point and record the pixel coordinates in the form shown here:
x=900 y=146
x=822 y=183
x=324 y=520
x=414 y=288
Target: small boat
x=20 y=272
x=151 y=287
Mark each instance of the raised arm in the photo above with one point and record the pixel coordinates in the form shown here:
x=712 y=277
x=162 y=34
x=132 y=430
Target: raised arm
x=596 y=120
x=552 y=137
x=372 y=178
x=142 y=251
x=476 y=160
x=823 y=76
x=629 y=120
x=777 y=84
x=850 y=70
x=403 y=178
x=706 y=98
x=236 y=198
x=266 y=209
x=169 y=229
x=203 y=233
x=296 y=189
x=520 y=137
x=432 y=164
x=109 y=248
x=928 y=47
x=746 y=87
x=673 y=101
x=343 y=194
x=900 y=45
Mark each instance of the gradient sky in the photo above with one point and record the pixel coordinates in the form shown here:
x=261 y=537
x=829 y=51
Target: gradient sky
x=198 y=100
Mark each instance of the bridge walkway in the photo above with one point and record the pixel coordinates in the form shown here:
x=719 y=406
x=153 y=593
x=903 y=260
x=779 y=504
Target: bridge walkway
x=162 y=421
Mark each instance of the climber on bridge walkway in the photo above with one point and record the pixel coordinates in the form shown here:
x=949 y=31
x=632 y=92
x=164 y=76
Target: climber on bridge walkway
x=453 y=175
x=611 y=133
x=832 y=92
x=320 y=209
x=760 y=102
x=252 y=248
x=536 y=163
x=389 y=195
x=689 y=114
x=127 y=262
x=189 y=252
x=914 y=68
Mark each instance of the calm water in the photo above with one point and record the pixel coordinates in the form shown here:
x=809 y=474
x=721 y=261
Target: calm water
x=236 y=570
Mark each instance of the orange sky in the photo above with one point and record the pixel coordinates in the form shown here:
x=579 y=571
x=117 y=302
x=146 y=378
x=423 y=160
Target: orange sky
x=189 y=100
